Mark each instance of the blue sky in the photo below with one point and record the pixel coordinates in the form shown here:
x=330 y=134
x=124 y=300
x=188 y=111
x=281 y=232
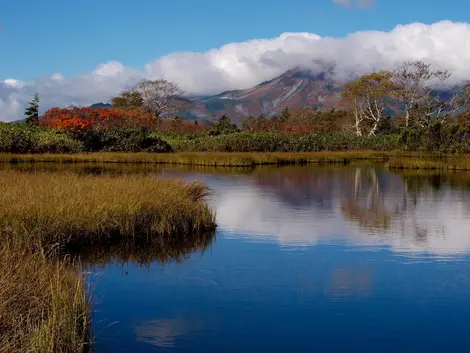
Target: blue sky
x=39 y=38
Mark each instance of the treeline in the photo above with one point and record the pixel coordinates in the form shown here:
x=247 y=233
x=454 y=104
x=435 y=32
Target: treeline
x=225 y=137
x=400 y=110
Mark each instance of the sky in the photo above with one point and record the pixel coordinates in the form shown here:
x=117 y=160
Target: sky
x=80 y=52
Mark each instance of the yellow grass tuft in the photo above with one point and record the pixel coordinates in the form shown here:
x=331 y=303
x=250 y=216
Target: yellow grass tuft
x=51 y=210
x=43 y=304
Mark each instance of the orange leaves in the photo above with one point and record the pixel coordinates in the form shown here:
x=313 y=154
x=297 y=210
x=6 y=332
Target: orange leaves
x=80 y=120
x=74 y=119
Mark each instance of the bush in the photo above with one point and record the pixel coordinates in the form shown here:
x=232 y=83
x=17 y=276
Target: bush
x=278 y=142
x=23 y=138
x=444 y=138
x=124 y=140
x=18 y=138
x=51 y=141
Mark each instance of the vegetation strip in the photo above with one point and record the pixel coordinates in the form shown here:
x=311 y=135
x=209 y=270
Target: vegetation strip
x=234 y=159
x=392 y=160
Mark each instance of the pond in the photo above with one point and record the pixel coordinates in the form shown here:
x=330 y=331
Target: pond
x=324 y=259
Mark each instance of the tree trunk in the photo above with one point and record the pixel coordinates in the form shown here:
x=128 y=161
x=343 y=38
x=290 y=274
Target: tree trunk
x=374 y=129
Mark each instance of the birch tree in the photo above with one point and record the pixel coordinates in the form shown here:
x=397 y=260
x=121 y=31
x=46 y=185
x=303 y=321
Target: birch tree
x=416 y=88
x=161 y=97
x=368 y=99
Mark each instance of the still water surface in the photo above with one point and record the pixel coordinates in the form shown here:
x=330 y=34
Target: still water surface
x=325 y=259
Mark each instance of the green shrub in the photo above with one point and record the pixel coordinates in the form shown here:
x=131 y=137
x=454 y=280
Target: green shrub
x=18 y=138
x=23 y=138
x=277 y=142
x=444 y=138
x=50 y=141
x=124 y=140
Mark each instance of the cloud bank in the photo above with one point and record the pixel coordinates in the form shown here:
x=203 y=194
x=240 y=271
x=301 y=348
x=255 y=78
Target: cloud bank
x=242 y=65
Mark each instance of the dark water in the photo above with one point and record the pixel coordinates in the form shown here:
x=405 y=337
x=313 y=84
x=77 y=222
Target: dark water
x=343 y=259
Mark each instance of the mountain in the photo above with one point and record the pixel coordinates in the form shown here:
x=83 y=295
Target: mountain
x=18 y=121
x=101 y=105
x=295 y=88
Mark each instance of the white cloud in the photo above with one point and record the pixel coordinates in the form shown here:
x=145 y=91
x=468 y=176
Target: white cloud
x=444 y=44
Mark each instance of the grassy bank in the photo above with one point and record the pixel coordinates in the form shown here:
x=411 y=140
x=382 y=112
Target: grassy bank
x=43 y=304
x=215 y=159
x=60 y=209
x=461 y=163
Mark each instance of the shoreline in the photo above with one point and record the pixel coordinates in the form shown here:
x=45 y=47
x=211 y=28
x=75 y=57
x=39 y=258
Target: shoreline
x=391 y=160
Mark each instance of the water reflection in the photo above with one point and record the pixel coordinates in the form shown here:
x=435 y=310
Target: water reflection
x=162 y=333
x=361 y=205
x=349 y=282
x=302 y=263
x=143 y=251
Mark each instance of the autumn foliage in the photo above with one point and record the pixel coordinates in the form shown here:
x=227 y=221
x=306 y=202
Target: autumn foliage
x=81 y=120
x=78 y=120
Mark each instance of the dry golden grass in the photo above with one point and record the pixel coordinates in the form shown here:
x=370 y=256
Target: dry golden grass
x=54 y=210
x=461 y=163
x=43 y=304
x=226 y=159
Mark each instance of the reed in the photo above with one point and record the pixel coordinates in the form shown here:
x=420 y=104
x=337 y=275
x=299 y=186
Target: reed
x=43 y=304
x=49 y=210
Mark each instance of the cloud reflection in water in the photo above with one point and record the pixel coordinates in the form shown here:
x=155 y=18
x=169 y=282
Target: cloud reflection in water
x=361 y=206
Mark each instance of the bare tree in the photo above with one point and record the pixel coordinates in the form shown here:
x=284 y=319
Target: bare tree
x=163 y=98
x=441 y=109
x=368 y=99
x=416 y=85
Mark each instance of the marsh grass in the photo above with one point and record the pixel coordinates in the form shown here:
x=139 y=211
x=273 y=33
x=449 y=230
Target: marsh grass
x=43 y=304
x=214 y=159
x=54 y=210
x=43 y=298
x=461 y=163
x=115 y=169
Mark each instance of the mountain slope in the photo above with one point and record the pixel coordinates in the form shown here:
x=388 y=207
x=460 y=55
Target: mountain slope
x=295 y=88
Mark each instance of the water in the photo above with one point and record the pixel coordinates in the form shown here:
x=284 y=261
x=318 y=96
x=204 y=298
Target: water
x=324 y=259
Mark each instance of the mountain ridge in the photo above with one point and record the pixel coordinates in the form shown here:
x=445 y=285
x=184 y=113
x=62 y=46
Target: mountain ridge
x=295 y=88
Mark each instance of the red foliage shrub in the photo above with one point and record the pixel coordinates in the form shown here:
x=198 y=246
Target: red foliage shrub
x=80 y=120
x=77 y=120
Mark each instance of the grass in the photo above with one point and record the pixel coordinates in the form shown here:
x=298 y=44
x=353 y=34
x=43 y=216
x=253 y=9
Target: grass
x=216 y=159
x=43 y=304
x=461 y=163
x=56 y=210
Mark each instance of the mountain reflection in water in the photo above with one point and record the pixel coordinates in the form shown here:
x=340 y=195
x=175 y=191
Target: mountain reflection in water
x=361 y=205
